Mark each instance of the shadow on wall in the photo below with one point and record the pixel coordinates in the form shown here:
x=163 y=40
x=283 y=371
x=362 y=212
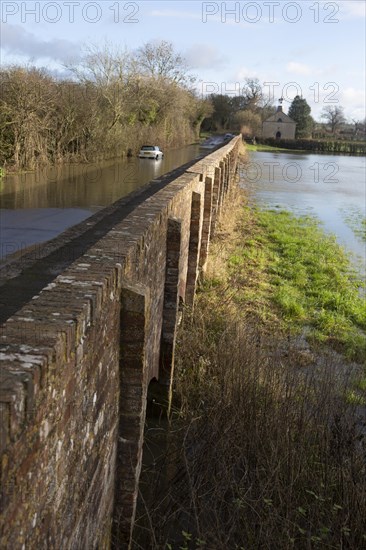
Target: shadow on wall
x=77 y=361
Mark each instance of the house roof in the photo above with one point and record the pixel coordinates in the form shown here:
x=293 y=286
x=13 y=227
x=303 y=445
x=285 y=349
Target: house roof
x=279 y=114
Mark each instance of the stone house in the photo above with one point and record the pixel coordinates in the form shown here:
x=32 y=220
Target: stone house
x=279 y=126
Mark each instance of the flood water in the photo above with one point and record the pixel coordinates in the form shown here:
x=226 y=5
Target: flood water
x=37 y=206
x=332 y=188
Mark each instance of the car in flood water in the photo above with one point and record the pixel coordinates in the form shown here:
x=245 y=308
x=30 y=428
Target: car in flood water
x=150 y=152
x=215 y=141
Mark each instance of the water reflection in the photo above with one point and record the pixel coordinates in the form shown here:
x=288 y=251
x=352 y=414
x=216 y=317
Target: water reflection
x=326 y=186
x=89 y=186
x=38 y=206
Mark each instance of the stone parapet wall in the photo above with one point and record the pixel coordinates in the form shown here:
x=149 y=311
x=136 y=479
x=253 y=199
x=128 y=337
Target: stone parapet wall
x=76 y=361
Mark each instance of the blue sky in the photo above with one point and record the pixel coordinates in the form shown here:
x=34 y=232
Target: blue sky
x=315 y=48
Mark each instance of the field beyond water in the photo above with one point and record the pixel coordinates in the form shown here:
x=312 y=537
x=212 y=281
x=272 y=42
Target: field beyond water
x=265 y=447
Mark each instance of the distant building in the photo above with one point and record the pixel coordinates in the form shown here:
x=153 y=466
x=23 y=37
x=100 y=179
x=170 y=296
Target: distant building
x=279 y=126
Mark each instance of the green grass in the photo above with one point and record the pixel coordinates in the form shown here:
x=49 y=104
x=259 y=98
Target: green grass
x=264 y=447
x=259 y=147
x=305 y=279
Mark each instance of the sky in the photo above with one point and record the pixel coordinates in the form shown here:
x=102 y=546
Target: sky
x=311 y=48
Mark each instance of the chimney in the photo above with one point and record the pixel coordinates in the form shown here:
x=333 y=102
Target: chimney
x=279 y=109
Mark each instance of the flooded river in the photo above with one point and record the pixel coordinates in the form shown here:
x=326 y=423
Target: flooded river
x=37 y=206
x=332 y=188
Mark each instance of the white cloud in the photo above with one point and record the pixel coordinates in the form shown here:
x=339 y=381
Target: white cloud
x=354 y=101
x=204 y=56
x=306 y=70
x=222 y=19
x=351 y=99
x=356 y=96
x=244 y=73
x=352 y=8
x=16 y=40
x=333 y=71
x=176 y=14
x=355 y=113
x=298 y=68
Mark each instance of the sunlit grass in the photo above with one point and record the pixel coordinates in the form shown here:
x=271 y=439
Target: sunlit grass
x=259 y=147
x=265 y=447
x=309 y=282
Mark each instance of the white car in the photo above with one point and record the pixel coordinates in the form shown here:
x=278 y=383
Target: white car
x=150 y=152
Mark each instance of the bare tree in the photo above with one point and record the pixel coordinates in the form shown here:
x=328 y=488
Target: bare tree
x=359 y=127
x=253 y=93
x=159 y=60
x=27 y=102
x=111 y=71
x=334 y=116
x=112 y=103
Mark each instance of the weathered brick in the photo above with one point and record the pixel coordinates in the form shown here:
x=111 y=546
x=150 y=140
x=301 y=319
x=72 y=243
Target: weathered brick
x=78 y=358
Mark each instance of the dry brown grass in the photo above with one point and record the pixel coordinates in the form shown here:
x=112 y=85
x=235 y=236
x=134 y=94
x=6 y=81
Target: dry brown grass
x=262 y=451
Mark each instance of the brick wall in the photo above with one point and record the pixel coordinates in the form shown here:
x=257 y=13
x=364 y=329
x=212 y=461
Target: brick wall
x=75 y=363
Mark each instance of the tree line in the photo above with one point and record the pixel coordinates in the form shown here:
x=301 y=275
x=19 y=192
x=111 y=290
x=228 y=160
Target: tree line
x=245 y=113
x=113 y=101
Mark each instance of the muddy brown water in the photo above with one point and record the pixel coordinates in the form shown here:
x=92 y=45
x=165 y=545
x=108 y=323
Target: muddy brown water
x=37 y=206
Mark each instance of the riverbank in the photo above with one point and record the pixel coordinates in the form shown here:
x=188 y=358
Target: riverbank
x=331 y=189
x=319 y=146
x=300 y=278
x=285 y=276
x=266 y=447
x=273 y=149
x=268 y=148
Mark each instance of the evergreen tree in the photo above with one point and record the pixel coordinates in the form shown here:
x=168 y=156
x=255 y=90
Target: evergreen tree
x=300 y=112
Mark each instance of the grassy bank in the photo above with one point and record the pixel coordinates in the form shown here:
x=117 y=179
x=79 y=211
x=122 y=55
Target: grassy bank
x=266 y=148
x=330 y=145
x=262 y=147
x=301 y=278
x=265 y=449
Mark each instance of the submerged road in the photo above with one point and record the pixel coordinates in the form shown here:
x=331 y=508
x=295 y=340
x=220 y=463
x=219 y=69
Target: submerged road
x=18 y=290
x=38 y=206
